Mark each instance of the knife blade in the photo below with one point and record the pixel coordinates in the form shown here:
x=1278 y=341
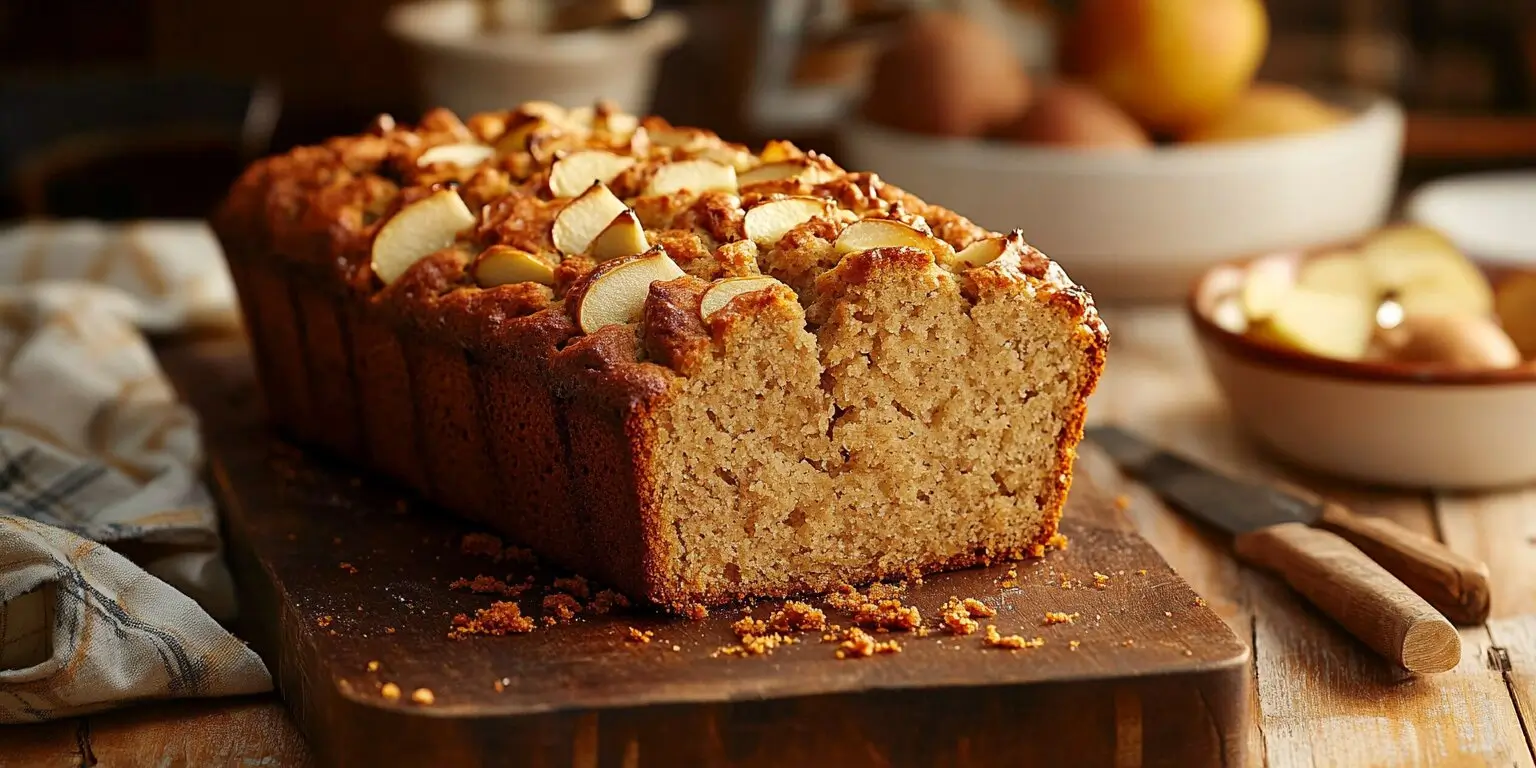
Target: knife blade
x=1311 y=544
x=1456 y=585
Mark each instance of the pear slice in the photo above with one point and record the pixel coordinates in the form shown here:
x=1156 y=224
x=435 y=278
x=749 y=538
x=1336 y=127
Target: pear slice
x=418 y=230
x=504 y=265
x=1266 y=283
x=1425 y=272
x=721 y=293
x=866 y=234
x=767 y=222
x=733 y=155
x=1323 y=324
x=987 y=250
x=801 y=169
x=624 y=236
x=466 y=155
x=617 y=289
x=584 y=218
x=575 y=173
x=1338 y=272
x=663 y=135
x=696 y=176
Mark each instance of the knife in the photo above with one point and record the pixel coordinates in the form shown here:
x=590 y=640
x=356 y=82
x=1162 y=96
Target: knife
x=1391 y=587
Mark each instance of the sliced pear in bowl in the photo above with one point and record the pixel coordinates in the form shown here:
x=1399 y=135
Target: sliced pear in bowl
x=624 y=236
x=577 y=172
x=1337 y=272
x=465 y=155
x=584 y=218
x=616 y=291
x=868 y=234
x=1322 y=324
x=769 y=221
x=419 y=230
x=505 y=265
x=695 y=176
x=1266 y=283
x=721 y=293
x=1425 y=272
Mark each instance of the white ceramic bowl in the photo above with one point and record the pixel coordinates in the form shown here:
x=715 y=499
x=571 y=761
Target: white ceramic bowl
x=1145 y=225
x=1379 y=423
x=469 y=72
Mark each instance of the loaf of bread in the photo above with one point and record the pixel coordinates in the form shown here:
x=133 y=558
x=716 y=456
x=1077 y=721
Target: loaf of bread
x=660 y=360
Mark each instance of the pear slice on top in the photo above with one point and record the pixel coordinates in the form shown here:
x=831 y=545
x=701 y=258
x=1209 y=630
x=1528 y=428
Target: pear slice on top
x=867 y=234
x=584 y=218
x=616 y=291
x=767 y=222
x=464 y=155
x=575 y=173
x=624 y=236
x=777 y=150
x=419 y=230
x=696 y=176
x=988 y=249
x=505 y=265
x=800 y=169
x=721 y=293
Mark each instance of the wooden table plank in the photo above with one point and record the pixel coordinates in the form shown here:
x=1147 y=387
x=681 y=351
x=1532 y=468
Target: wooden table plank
x=1499 y=529
x=1324 y=699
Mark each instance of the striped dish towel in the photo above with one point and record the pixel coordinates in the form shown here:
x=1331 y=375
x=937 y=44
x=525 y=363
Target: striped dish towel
x=111 y=569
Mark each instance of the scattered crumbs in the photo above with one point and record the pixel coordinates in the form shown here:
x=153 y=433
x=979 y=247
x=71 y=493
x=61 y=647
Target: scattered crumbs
x=1200 y=601
x=499 y=685
x=1073 y=644
x=423 y=696
x=606 y=601
x=1009 y=642
x=1127 y=643
x=518 y=555
x=390 y=691
x=1058 y=541
x=796 y=616
x=695 y=612
x=977 y=609
x=562 y=606
x=676 y=648
x=858 y=644
x=549 y=621
x=575 y=586
x=389 y=630
x=481 y=544
x=845 y=598
x=373 y=666
x=1058 y=617
x=1100 y=580
x=1188 y=652
x=922 y=632
x=482 y=585
x=883 y=591
x=1122 y=502
x=756 y=645
x=636 y=636
x=501 y=618
x=1013 y=573
x=1141 y=572
x=1169 y=614
x=1066 y=581
x=959 y=616
x=749 y=626
x=888 y=615
x=324 y=621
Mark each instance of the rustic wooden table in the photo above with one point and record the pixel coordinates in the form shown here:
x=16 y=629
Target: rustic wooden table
x=1321 y=697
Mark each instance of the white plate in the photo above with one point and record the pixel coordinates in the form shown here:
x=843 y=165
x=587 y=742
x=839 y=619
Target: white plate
x=1491 y=216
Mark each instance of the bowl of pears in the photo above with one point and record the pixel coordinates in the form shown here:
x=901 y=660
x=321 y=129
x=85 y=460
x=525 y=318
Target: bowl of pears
x=1393 y=359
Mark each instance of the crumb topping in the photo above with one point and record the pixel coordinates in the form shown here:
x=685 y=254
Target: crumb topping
x=501 y=618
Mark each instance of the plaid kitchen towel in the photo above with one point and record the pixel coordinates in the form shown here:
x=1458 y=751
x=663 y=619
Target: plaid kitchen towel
x=111 y=573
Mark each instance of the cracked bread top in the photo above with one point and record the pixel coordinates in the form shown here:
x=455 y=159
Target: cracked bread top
x=458 y=226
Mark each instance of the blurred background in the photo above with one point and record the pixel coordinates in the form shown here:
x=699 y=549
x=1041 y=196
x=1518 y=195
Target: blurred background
x=135 y=108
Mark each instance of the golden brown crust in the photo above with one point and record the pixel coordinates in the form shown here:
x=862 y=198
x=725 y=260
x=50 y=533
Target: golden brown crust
x=433 y=375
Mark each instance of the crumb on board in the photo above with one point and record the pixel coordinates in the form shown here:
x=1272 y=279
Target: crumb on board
x=373 y=666
x=959 y=616
x=324 y=621
x=561 y=606
x=1100 y=580
x=349 y=568
x=1141 y=572
x=483 y=585
x=1059 y=617
x=607 y=600
x=858 y=644
x=888 y=615
x=694 y=611
x=481 y=544
x=1188 y=652
x=499 y=685
x=1127 y=643
x=1009 y=642
x=636 y=636
x=1058 y=541
x=796 y=616
x=676 y=648
x=747 y=625
x=977 y=609
x=1169 y=614
x=755 y=645
x=1066 y=581
x=1122 y=502
x=501 y=618
x=423 y=696
x=1073 y=644
x=390 y=691
x=1200 y=601
x=574 y=586
x=389 y=630
x=882 y=591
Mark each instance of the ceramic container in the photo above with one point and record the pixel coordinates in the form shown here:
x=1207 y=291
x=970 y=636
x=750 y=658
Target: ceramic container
x=1379 y=423
x=1145 y=224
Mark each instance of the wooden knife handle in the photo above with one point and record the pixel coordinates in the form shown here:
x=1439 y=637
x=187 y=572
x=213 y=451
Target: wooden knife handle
x=1454 y=584
x=1359 y=594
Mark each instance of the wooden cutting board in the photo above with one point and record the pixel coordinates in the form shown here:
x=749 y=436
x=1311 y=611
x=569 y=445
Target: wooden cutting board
x=339 y=571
